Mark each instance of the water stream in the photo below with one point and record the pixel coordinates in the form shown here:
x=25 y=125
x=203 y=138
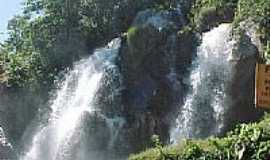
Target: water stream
x=80 y=127
x=203 y=113
x=64 y=136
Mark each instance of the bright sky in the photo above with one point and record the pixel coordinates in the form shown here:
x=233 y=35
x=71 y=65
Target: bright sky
x=8 y=8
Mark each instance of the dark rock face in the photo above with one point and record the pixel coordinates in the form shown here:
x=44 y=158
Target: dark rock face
x=245 y=54
x=18 y=107
x=154 y=60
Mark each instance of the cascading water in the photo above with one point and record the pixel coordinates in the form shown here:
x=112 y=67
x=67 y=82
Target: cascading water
x=203 y=113
x=74 y=113
x=6 y=149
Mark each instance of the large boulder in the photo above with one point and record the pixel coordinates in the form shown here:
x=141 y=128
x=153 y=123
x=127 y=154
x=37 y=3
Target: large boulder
x=154 y=59
x=245 y=55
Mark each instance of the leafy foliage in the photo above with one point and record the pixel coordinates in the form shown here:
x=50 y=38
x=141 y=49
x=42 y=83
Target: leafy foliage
x=256 y=11
x=259 y=14
x=51 y=34
x=247 y=141
x=207 y=8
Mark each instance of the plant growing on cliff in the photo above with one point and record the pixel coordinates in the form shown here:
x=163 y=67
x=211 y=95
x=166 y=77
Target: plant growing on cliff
x=59 y=32
x=259 y=14
x=202 y=8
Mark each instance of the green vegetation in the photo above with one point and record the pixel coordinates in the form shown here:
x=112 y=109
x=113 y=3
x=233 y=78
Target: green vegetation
x=142 y=42
x=256 y=11
x=204 y=12
x=247 y=141
x=219 y=4
x=259 y=14
x=51 y=34
x=131 y=34
x=18 y=71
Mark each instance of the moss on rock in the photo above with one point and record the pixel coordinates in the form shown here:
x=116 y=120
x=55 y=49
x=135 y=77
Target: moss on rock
x=142 y=42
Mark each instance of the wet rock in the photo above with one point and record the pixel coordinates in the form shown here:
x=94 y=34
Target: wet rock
x=18 y=107
x=6 y=150
x=244 y=56
x=154 y=60
x=91 y=137
x=162 y=20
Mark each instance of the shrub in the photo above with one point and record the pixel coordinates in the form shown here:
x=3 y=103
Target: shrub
x=247 y=141
x=259 y=13
x=208 y=13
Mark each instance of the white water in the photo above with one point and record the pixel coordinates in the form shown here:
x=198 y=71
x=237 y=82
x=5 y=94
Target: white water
x=203 y=112
x=61 y=137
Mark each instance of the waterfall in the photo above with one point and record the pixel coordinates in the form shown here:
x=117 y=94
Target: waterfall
x=6 y=149
x=203 y=113
x=75 y=113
